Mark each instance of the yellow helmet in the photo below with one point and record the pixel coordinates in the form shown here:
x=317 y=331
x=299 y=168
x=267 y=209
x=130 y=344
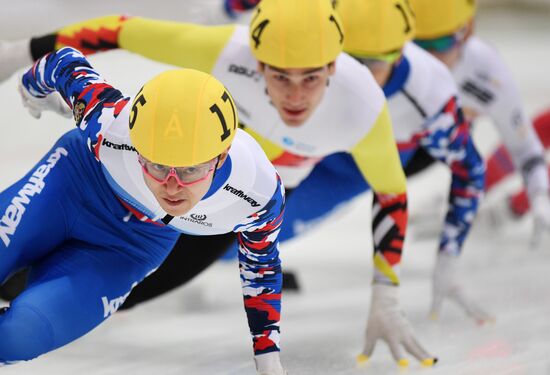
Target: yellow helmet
x=181 y=118
x=296 y=33
x=376 y=27
x=439 y=18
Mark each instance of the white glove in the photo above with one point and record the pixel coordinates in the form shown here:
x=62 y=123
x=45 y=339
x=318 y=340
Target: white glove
x=269 y=364
x=388 y=323
x=14 y=55
x=446 y=284
x=540 y=207
x=52 y=102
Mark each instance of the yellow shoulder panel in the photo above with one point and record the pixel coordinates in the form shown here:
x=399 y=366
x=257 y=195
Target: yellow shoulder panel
x=181 y=44
x=377 y=157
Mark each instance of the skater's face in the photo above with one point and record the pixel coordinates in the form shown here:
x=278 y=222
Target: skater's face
x=449 y=57
x=448 y=49
x=175 y=195
x=295 y=93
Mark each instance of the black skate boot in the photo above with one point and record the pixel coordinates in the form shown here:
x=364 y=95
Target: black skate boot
x=290 y=282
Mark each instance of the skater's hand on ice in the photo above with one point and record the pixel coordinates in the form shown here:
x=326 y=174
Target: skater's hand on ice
x=446 y=285
x=388 y=323
x=541 y=216
x=269 y=364
x=52 y=102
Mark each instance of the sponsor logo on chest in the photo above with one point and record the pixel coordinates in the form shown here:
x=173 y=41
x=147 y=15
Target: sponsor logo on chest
x=300 y=146
x=244 y=71
x=117 y=146
x=196 y=219
x=241 y=194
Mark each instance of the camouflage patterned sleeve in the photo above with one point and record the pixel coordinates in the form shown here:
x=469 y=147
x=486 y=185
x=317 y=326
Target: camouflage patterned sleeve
x=85 y=91
x=260 y=269
x=447 y=138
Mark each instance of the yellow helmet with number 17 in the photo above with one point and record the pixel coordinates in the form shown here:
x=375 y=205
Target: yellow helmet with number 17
x=182 y=118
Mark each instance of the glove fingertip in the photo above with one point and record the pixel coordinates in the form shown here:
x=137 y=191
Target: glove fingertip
x=362 y=359
x=428 y=362
x=403 y=362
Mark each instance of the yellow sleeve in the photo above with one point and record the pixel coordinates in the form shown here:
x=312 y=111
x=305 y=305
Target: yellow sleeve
x=180 y=44
x=377 y=157
x=378 y=160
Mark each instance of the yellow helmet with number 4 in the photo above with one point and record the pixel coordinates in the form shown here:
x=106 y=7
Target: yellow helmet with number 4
x=376 y=28
x=181 y=118
x=437 y=18
x=296 y=33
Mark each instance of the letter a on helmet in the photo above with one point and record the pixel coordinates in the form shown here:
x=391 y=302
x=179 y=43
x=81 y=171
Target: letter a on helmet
x=181 y=118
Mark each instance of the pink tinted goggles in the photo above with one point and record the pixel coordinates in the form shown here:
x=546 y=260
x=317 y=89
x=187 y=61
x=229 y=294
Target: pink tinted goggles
x=184 y=176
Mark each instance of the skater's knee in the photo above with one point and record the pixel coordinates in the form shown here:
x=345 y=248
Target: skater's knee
x=25 y=334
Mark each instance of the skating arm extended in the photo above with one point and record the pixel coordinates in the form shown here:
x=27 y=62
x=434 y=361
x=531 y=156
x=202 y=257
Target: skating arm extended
x=88 y=95
x=378 y=160
x=261 y=276
x=488 y=87
x=181 y=44
x=447 y=138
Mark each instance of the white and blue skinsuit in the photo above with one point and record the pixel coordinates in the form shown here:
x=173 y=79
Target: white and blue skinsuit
x=90 y=229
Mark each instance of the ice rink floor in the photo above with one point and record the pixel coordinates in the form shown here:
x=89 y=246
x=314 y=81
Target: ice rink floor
x=201 y=329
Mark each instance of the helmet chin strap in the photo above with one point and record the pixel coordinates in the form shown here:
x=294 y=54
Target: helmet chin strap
x=216 y=168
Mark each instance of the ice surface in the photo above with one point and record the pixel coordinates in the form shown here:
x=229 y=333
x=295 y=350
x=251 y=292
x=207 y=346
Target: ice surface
x=201 y=329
